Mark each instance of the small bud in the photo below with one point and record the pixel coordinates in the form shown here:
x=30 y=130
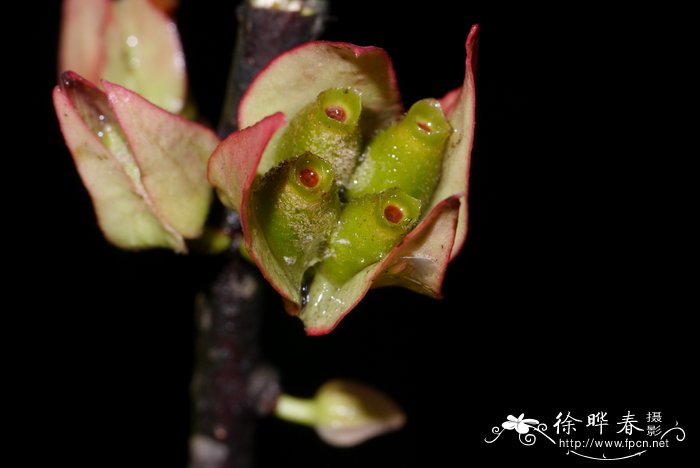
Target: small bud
x=368 y=228
x=344 y=413
x=407 y=155
x=297 y=205
x=328 y=127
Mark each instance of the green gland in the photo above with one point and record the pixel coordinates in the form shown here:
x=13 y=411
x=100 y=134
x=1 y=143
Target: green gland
x=297 y=205
x=368 y=228
x=328 y=127
x=407 y=155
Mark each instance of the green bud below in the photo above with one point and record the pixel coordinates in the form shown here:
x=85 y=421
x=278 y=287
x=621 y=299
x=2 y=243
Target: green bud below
x=343 y=412
x=328 y=127
x=297 y=205
x=407 y=155
x=368 y=228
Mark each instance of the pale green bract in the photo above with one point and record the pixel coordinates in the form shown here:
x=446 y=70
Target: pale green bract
x=287 y=85
x=145 y=168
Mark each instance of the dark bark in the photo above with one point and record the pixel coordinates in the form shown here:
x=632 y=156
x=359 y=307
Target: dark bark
x=231 y=387
x=262 y=35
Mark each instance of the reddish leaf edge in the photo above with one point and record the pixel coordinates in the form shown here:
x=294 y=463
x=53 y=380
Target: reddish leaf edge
x=452 y=100
x=255 y=139
x=357 y=51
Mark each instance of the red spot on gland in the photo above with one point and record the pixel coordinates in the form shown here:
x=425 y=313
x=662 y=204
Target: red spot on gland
x=393 y=214
x=308 y=177
x=424 y=126
x=336 y=113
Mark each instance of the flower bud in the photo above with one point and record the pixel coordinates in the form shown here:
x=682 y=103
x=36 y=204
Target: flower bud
x=344 y=413
x=328 y=127
x=368 y=228
x=407 y=155
x=297 y=205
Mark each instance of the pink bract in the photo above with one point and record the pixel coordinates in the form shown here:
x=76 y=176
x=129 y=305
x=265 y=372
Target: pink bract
x=291 y=81
x=145 y=168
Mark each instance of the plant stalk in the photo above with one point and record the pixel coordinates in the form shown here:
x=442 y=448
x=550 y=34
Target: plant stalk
x=263 y=34
x=231 y=388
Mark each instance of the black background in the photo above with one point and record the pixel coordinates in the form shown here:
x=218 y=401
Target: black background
x=573 y=292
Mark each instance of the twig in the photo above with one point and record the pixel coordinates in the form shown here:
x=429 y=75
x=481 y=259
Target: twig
x=263 y=34
x=230 y=386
